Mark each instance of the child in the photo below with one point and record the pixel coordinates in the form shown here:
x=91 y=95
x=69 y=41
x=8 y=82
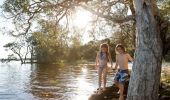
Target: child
x=102 y=58
x=122 y=74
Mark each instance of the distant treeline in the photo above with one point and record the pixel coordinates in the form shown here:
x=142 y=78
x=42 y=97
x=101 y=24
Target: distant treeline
x=52 y=44
x=75 y=52
x=82 y=52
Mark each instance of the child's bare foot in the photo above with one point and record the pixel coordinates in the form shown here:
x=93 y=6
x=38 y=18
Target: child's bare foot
x=99 y=91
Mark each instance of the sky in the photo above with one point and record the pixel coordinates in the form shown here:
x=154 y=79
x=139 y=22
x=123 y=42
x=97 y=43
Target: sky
x=80 y=20
x=4 y=38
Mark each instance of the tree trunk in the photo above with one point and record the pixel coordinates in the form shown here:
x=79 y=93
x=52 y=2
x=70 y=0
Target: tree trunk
x=26 y=54
x=145 y=75
x=32 y=54
x=19 y=54
x=20 y=57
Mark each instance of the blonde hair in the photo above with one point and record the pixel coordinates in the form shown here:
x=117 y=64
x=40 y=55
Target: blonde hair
x=105 y=45
x=119 y=46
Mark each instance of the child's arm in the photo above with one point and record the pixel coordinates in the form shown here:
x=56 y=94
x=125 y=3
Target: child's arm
x=129 y=57
x=97 y=60
x=110 y=60
x=116 y=65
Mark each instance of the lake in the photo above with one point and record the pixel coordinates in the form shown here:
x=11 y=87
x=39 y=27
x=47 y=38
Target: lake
x=48 y=82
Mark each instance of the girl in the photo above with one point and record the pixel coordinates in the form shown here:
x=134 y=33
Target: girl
x=122 y=74
x=102 y=58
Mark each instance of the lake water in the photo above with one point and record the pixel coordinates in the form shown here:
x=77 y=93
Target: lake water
x=48 y=82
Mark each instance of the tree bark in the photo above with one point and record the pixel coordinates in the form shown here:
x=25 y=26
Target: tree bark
x=145 y=75
x=32 y=54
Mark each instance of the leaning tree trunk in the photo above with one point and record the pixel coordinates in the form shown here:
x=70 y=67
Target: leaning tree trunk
x=145 y=76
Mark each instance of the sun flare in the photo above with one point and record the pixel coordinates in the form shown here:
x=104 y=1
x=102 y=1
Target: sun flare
x=83 y=87
x=82 y=18
x=84 y=69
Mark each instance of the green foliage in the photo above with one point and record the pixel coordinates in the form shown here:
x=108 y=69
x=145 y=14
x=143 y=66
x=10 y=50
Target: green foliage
x=89 y=50
x=16 y=49
x=13 y=6
x=126 y=39
x=51 y=42
x=14 y=46
x=167 y=57
x=165 y=8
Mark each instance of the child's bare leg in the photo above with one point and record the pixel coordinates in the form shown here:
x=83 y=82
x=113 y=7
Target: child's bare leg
x=117 y=84
x=99 y=77
x=121 y=88
x=99 y=81
x=104 y=78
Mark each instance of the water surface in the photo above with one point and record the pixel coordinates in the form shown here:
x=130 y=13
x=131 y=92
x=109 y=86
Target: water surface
x=47 y=82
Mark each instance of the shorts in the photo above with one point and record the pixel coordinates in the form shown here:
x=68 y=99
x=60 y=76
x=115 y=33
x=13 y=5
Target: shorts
x=122 y=76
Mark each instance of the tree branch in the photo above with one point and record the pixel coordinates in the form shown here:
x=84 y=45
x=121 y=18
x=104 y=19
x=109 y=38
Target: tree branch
x=111 y=18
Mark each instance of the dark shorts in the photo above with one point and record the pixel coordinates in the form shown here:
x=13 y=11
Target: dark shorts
x=122 y=76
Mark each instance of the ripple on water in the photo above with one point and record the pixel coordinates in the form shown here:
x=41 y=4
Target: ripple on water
x=48 y=82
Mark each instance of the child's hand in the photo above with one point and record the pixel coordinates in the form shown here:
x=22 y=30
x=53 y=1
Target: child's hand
x=96 y=67
x=111 y=66
x=114 y=70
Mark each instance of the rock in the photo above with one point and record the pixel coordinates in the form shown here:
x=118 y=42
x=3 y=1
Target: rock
x=110 y=93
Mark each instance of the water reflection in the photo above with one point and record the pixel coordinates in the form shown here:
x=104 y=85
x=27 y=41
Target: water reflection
x=48 y=82
x=14 y=80
x=84 y=69
x=52 y=82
